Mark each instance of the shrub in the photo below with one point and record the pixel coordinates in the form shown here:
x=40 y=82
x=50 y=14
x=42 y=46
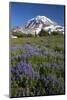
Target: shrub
x=29 y=35
x=55 y=33
x=20 y=34
x=43 y=33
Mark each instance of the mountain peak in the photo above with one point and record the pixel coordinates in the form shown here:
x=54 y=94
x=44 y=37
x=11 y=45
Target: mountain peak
x=40 y=17
x=38 y=23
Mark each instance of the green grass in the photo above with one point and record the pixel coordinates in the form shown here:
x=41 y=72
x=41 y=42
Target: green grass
x=55 y=43
x=52 y=42
x=32 y=87
x=29 y=40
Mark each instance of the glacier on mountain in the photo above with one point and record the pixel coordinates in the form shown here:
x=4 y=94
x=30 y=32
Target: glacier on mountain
x=36 y=24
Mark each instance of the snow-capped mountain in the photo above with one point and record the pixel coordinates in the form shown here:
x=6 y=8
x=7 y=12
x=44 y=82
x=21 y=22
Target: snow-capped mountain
x=36 y=24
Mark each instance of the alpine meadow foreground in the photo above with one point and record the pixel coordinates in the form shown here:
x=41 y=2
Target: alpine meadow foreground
x=37 y=66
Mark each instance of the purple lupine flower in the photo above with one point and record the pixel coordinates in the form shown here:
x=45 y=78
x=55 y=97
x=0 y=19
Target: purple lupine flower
x=24 y=69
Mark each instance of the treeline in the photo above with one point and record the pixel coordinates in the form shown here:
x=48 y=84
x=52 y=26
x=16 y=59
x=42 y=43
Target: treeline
x=20 y=34
x=41 y=33
x=45 y=33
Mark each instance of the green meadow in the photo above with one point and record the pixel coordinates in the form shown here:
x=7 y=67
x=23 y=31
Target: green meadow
x=45 y=74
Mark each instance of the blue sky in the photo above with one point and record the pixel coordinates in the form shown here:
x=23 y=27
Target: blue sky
x=20 y=13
